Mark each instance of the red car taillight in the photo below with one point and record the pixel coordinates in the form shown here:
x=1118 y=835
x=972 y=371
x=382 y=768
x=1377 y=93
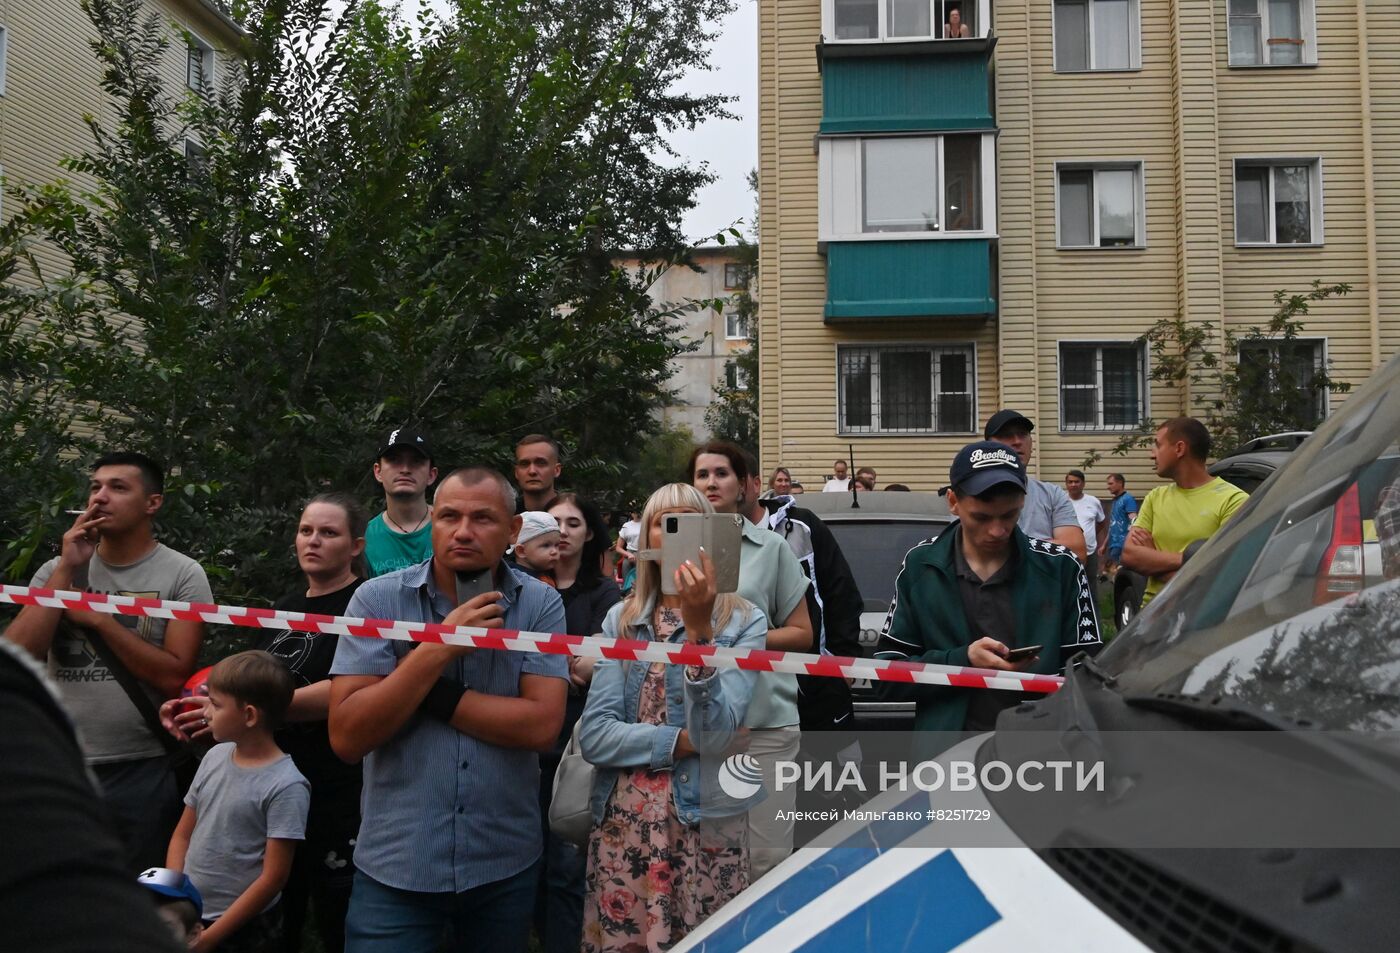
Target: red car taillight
x=1341 y=571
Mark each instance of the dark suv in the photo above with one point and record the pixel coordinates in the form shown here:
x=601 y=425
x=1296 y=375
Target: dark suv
x=874 y=538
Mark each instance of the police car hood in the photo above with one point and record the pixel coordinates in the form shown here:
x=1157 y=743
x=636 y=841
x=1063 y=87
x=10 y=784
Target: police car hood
x=888 y=880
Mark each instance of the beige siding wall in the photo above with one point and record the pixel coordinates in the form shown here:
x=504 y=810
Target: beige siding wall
x=52 y=81
x=1186 y=115
x=798 y=350
x=1309 y=112
x=1383 y=48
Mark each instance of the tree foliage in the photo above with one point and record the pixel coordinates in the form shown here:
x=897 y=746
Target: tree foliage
x=381 y=223
x=1275 y=386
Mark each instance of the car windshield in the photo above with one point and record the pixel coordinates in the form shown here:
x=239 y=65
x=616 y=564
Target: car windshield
x=875 y=551
x=1294 y=607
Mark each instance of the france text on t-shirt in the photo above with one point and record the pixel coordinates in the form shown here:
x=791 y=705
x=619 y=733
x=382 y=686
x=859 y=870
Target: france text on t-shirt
x=109 y=725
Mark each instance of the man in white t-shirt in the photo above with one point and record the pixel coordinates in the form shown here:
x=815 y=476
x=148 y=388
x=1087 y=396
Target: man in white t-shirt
x=839 y=483
x=1093 y=521
x=628 y=539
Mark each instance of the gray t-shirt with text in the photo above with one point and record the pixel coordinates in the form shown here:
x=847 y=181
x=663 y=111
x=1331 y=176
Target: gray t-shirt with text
x=109 y=726
x=236 y=811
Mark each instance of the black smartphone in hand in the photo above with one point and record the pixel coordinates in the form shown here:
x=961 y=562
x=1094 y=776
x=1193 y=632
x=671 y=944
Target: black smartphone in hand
x=1020 y=655
x=472 y=584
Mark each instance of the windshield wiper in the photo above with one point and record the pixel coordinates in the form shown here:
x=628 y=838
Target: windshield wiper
x=1095 y=669
x=1218 y=710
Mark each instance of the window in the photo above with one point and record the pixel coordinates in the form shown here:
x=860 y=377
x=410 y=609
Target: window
x=899 y=185
x=1288 y=369
x=734 y=377
x=1100 y=206
x=1272 y=33
x=917 y=185
x=195 y=155
x=736 y=326
x=199 y=68
x=4 y=56
x=1278 y=202
x=1102 y=386
x=736 y=277
x=902 y=20
x=905 y=389
x=1096 y=35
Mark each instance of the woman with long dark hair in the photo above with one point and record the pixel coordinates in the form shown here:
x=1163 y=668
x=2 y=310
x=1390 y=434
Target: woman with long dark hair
x=771 y=578
x=588 y=594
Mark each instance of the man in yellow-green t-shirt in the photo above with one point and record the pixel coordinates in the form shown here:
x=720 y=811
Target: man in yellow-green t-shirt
x=1193 y=507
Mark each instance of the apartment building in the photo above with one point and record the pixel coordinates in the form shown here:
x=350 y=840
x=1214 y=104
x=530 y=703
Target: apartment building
x=50 y=80
x=969 y=204
x=718 y=275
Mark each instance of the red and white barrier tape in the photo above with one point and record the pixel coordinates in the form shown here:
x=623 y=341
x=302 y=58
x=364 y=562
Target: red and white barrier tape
x=757 y=660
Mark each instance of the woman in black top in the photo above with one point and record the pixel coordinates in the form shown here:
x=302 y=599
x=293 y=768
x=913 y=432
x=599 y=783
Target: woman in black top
x=588 y=594
x=330 y=545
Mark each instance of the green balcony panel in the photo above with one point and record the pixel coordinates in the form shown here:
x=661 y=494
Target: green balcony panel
x=909 y=279
x=906 y=94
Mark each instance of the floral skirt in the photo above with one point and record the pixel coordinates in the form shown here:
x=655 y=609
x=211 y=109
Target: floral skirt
x=652 y=879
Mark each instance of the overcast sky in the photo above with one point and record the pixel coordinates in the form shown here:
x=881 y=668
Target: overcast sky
x=730 y=148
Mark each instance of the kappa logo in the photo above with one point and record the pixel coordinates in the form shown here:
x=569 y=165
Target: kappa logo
x=994 y=458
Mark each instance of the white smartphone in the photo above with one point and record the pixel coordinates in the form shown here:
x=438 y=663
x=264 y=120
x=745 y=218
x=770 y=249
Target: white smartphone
x=682 y=536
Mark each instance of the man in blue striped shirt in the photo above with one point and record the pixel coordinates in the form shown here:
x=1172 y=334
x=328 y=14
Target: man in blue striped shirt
x=451 y=833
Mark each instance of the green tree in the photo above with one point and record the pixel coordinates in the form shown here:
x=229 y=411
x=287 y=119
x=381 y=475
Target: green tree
x=382 y=224
x=1275 y=386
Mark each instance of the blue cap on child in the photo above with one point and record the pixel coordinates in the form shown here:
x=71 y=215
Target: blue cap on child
x=172 y=883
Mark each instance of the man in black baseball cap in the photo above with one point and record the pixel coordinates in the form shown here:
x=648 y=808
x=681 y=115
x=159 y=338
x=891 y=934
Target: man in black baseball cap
x=981 y=590
x=1049 y=513
x=402 y=535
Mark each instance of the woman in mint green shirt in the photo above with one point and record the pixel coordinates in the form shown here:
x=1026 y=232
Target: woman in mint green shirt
x=771 y=578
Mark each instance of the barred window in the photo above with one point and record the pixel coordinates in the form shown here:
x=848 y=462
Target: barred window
x=1289 y=370
x=905 y=389
x=1101 y=386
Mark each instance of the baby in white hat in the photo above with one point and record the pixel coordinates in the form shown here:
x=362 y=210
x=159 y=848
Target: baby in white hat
x=537 y=545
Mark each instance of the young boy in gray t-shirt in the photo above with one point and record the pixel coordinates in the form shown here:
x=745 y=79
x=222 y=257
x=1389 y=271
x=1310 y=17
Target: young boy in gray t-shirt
x=245 y=810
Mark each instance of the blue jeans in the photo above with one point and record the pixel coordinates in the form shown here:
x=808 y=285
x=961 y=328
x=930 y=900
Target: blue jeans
x=492 y=918
x=559 y=909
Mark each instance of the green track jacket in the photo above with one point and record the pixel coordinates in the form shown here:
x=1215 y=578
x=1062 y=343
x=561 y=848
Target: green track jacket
x=926 y=622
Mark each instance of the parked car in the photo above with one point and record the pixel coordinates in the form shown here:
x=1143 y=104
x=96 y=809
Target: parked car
x=874 y=538
x=1279 y=693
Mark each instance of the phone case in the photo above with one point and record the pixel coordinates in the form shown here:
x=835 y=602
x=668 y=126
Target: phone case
x=471 y=585
x=719 y=533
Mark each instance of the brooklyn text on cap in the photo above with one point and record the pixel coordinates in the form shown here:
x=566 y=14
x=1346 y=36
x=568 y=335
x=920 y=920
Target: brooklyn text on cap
x=982 y=465
x=1002 y=419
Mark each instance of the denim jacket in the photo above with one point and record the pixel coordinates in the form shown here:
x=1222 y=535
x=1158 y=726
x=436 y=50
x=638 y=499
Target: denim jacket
x=712 y=709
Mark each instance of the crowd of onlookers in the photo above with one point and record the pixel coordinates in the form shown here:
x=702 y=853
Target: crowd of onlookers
x=390 y=795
